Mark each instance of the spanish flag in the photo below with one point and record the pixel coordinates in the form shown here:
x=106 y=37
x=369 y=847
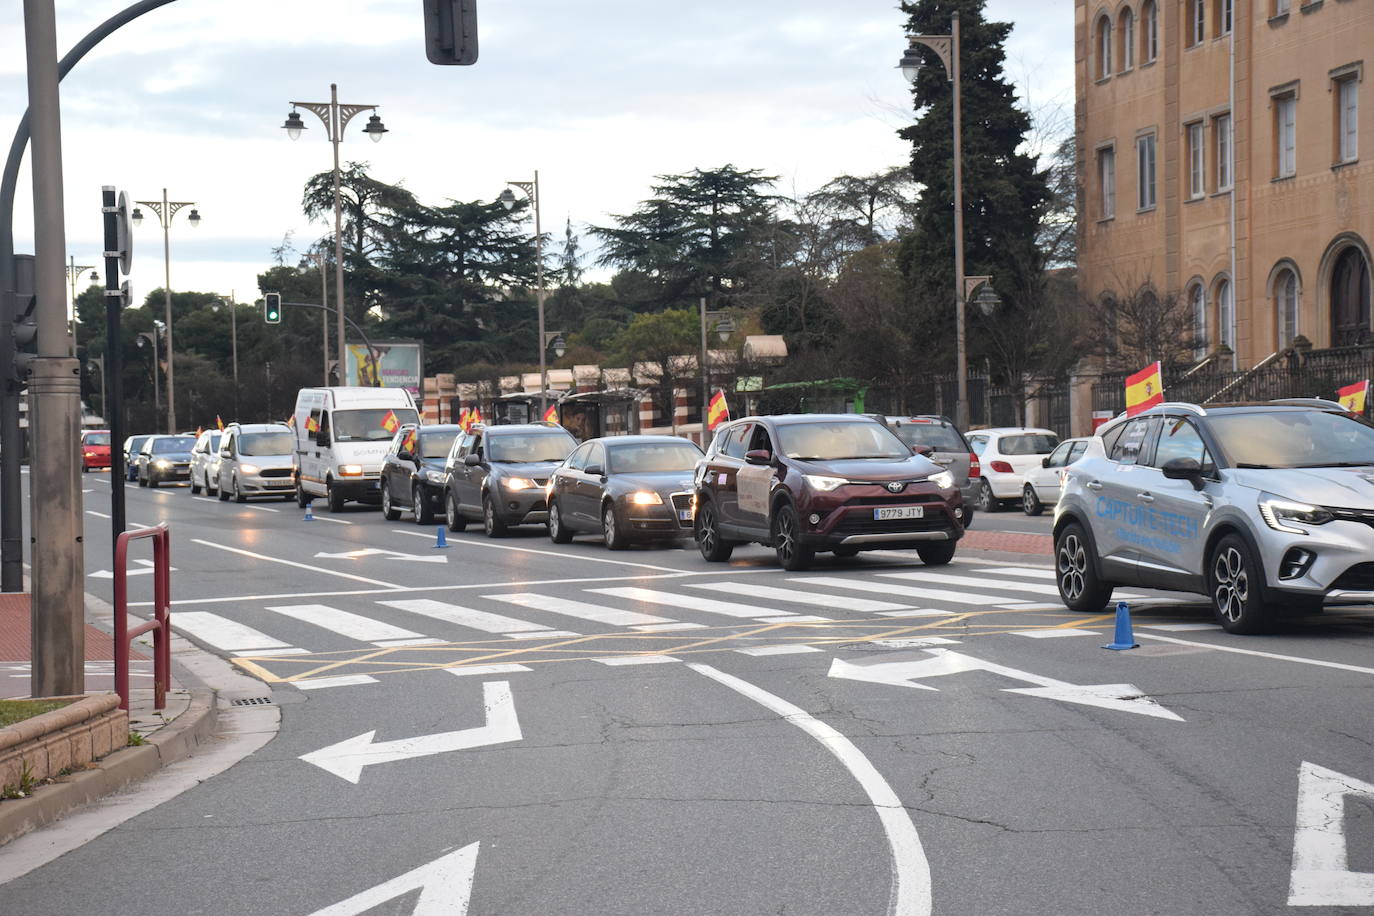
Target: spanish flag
x=312 y=425
x=219 y=424
x=463 y=419
x=551 y=415
x=718 y=411
x=1144 y=390
x=1353 y=397
x=390 y=423
x=410 y=441
x=199 y=430
x=475 y=416
x=291 y=421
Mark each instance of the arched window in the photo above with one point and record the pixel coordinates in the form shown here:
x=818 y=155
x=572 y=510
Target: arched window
x=1226 y=313
x=1197 y=302
x=1286 y=306
x=1350 y=299
x=1125 y=25
x=1149 y=32
x=1104 y=47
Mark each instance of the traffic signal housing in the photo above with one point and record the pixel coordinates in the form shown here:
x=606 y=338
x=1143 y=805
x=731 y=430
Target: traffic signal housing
x=271 y=308
x=451 y=31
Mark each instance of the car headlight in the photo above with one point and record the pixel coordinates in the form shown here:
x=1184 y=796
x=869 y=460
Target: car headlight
x=824 y=484
x=518 y=483
x=1276 y=511
x=351 y=470
x=434 y=476
x=646 y=498
x=944 y=480
x=249 y=469
x=162 y=464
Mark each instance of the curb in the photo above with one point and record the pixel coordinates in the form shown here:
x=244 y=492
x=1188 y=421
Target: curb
x=173 y=742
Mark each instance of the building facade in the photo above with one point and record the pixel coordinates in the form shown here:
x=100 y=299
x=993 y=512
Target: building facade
x=1221 y=159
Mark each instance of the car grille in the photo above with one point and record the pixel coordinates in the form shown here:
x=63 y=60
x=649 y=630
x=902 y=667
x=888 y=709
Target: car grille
x=682 y=502
x=888 y=500
x=864 y=523
x=1359 y=577
x=275 y=472
x=1364 y=516
x=541 y=482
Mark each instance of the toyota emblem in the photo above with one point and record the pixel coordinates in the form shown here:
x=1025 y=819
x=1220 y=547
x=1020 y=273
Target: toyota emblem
x=896 y=486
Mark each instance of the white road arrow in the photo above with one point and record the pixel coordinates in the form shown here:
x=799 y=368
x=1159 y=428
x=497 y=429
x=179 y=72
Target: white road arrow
x=347 y=758
x=377 y=552
x=1121 y=697
x=445 y=888
x=147 y=569
x=1321 y=868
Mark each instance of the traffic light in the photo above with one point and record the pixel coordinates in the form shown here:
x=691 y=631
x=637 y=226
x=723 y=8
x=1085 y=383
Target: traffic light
x=25 y=342
x=271 y=308
x=451 y=31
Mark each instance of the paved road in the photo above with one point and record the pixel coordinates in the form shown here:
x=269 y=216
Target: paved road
x=567 y=730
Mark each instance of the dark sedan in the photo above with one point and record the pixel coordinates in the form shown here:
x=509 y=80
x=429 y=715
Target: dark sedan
x=413 y=471
x=628 y=488
x=164 y=458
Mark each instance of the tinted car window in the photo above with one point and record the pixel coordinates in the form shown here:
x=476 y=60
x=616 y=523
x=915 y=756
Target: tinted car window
x=436 y=445
x=1060 y=456
x=1180 y=439
x=578 y=459
x=173 y=444
x=597 y=456
x=1293 y=438
x=273 y=443
x=840 y=439
x=1078 y=449
x=96 y=438
x=1132 y=441
x=759 y=439
x=530 y=447
x=648 y=458
x=1027 y=444
x=734 y=444
x=935 y=435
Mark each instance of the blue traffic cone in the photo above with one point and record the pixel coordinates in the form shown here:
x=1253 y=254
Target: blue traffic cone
x=1125 y=639
x=440 y=540
x=309 y=516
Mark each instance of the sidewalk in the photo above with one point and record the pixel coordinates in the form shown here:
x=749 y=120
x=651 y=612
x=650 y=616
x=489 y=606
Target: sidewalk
x=1040 y=545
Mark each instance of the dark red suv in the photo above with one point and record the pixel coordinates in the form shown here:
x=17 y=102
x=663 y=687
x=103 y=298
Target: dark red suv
x=810 y=482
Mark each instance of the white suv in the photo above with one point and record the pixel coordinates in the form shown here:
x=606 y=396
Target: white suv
x=1005 y=455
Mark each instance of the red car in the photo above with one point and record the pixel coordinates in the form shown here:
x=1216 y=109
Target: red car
x=95 y=449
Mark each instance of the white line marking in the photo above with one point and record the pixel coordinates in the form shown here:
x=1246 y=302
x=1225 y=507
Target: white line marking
x=777 y=650
x=792 y=618
x=792 y=596
x=916 y=613
x=223 y=633
x=911 y=894
x=422 y=641
x=1027 y=572
x=690 y=602
x=96 y=514
x=541 y=634
x=636 y=660
x=918 y=642
x=923 y=594
x=270 y=653
x=1029 y=588
x=1321 y=874
x=1048 y=606
x=353 y=626
x=580 y=558
x=1339 y=666
x=346 y=680
x=666 y=627
x=1179 y=627
x=466 y=617
x=261 y=508
x=1054 y=634
x=486 y=669
x=316 y=569
x=334 y=521
x=579 y=609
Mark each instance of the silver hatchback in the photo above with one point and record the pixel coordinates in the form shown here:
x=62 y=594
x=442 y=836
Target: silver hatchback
x=1268 y=509
x=256 y=460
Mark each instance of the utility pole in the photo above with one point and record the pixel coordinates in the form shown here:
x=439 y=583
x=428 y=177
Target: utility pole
x=58 y=604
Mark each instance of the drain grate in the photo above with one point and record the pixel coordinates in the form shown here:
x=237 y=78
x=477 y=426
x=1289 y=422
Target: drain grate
x=252 y=701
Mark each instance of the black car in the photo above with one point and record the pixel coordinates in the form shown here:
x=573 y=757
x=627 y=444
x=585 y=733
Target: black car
x=629 y=488
x=413 y=471
x=164 y=458
x=498 y=473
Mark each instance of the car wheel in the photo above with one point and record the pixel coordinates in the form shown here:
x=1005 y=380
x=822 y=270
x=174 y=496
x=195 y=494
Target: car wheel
x=209 y=490
x=967 y=520
x=1076 y=574
x=986 y=501
x=421 y=505
x=389 y=511
x=195 y=487
x=152 y=481
x=1236 y=586
x=239 y=496
x=223 y=494
x=335 y=497
x=792 y=554
x=302 y=498
x=85 y=468
x=559 y=533
x=141 y=481
x=936 y=554
x=491 y=522
x=845 y=553
x=456 y=520
x=714 y=548
x=610 y=528
x=1030 y=503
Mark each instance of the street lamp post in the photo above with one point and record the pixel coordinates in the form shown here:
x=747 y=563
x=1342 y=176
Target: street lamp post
x=724 y=328
x=335 y=117
x=151 y=337
x=322 y=257
x=232 y=304
x=74 y=272
x=946 y=48
x=165 y=210
x=507 y=198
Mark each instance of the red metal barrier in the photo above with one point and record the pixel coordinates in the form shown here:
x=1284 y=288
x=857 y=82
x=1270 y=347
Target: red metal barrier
x=161 y=624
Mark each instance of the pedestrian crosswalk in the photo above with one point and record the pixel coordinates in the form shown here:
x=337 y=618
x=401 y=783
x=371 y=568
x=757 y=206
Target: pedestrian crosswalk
x=666 y=605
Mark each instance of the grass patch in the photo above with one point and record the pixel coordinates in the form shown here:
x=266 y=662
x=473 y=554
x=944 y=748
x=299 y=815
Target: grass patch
x=12 y=711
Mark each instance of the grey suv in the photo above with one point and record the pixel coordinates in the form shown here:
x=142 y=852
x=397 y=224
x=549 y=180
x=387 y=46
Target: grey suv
x=1265 y=508
x=497 y=474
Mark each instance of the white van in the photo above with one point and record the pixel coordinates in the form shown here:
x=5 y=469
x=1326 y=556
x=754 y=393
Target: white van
x=342 y=435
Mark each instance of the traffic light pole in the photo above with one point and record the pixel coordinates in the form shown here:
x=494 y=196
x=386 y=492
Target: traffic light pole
x=114 y=361
x=371 y=350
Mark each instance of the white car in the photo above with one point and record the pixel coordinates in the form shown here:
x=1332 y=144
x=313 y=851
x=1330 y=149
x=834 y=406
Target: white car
x=1005 y=454
x=1043 y=483
x=205 y=463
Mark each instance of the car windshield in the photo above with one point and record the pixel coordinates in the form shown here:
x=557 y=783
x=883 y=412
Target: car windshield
x=436 y=445
x=136 y=443
x=370 y=425
x=97 y=438
x=935 y=435
x=1294 y=439
x=840 y=439
x=530 y=448
x=173 y=444
x=262 y=444
x=1028 y=444
x=649 y=458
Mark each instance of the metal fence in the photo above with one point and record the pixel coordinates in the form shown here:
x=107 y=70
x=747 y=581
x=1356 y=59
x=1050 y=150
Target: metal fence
x=989 y=404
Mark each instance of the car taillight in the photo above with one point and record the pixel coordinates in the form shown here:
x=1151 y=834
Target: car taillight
x=974 y=468
x=1001 y=467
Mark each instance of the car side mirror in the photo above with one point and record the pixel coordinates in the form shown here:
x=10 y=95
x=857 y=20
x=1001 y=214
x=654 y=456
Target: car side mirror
x=405 y=454
x=594 y=470
x=925 y=451
x=1184 y=469
x=758 y=456
x=1045 y=462
x=225 y=453
x=473 y=460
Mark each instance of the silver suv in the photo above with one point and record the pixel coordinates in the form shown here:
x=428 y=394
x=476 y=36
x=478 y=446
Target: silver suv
x=1267 y=509
x=256 y=460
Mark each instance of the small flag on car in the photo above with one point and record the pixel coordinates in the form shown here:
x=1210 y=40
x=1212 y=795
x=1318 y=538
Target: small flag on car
x=718 y=411
x=312 y=425
x=219 y=424
x=1144 y=390
x=551 y=415
x=390 y=423
x=1354 y=397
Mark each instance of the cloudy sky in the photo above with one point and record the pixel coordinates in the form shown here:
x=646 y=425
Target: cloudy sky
x=598 y=95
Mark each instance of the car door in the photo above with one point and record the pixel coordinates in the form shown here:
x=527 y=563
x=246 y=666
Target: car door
x=1121 y=523
x=1046 y=479
x=754 y=484
x=453 y=464
x=470 y=477
x=395 y=472
x=723 y=471
x=1172 y=556
x=563 y=484
x=591 y=483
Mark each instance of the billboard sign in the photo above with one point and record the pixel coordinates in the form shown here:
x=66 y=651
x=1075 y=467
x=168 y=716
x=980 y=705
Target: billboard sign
x=393 y=363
